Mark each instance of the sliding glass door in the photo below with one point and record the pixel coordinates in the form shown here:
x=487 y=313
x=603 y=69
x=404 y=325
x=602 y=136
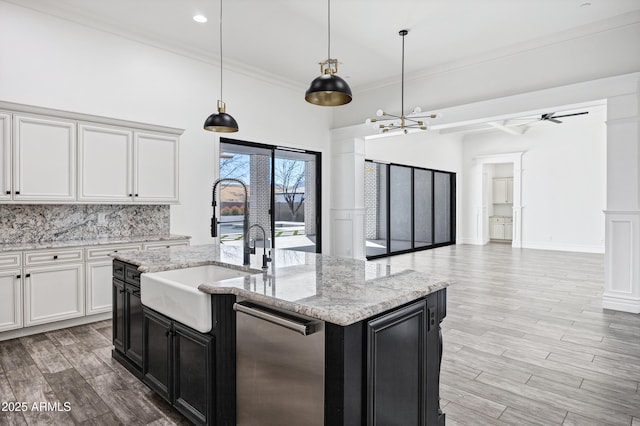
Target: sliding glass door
x=407 y=208
x=284 y=194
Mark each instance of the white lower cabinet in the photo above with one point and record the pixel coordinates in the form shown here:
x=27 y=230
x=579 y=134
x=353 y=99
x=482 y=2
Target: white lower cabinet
x=53 y=293
x=44 y=286
x=501 y=228
x=99 y=272
x=99 y=286
x=10 y=299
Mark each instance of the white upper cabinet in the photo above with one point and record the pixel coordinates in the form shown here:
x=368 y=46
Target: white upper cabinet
x=503 y=191
x=44 y=159
x=50 y=156
x=105 y=160
x=5 y=156
x=156 y=168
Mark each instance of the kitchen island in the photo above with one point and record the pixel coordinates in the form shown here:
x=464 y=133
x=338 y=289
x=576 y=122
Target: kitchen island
x=368 y=350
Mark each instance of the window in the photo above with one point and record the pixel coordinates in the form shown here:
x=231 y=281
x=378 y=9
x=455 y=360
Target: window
x=407 y=208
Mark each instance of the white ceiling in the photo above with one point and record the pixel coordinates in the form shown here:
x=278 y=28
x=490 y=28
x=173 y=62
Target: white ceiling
x=287 y=38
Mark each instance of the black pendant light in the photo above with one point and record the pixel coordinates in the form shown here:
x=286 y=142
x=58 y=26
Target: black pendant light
x=328 y=89
x=221 y=122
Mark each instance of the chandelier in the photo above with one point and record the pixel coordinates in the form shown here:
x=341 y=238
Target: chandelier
x=405 y=123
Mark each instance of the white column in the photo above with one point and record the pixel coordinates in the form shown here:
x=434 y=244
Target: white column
x=347 y=197
x=622 y=217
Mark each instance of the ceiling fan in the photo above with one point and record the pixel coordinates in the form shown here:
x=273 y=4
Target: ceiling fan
x=550 y=116
x=554 y=118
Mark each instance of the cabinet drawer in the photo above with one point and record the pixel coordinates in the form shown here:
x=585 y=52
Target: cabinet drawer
x=118 y=270
x=103 y=252
x=10 y=260
x=165 y=244
x=41 y=257
x=131 y=274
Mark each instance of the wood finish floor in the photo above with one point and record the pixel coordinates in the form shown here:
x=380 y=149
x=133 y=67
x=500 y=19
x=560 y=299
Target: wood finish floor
x=526 y=343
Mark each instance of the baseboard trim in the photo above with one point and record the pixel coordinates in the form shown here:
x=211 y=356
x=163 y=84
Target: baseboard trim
x=27 y=331
x=564 y=247
x=616 y=303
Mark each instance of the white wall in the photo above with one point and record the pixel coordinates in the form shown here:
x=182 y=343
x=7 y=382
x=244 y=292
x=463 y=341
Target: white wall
x=424 y=149
x=58 y=64
x=563 y=181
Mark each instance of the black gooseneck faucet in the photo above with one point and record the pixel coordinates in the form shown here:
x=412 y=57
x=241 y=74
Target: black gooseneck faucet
x=245 y=223
x=265 y=258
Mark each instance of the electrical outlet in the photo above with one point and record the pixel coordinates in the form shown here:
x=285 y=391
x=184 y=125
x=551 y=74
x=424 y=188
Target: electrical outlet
x=102 y=218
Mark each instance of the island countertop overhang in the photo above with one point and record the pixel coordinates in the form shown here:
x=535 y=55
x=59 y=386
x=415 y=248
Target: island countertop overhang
x=338 y=290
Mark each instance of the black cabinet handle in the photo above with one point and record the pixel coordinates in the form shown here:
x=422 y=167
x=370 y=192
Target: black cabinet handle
x=135 y=276
x=130 y=195
x=17 y=192
x=18 y=276
x=8 y=192
x=120 y=290
x=136 y=195
x=167 y=333
x=27 y=275
x=55 y=257
x=118 y=269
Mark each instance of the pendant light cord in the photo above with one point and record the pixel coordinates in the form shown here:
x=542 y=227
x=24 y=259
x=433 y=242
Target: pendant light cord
x=402 y=84
x=329 y=29
x=221 y=67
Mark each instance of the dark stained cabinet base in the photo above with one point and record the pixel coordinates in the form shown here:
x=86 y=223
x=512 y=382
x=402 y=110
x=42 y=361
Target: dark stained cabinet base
x=177 y=365
x=384 y=370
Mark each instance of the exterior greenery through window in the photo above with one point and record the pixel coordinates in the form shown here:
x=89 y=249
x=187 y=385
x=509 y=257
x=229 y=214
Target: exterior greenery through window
x=407 y=208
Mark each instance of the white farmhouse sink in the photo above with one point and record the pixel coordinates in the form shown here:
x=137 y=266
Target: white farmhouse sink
x=175 y=293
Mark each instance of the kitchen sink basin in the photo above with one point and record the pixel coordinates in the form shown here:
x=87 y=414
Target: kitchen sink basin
x=175 y=293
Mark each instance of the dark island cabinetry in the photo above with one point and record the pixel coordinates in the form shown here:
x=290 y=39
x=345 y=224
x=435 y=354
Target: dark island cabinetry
x=386 y=369
x=127 y=317
x=177 y=365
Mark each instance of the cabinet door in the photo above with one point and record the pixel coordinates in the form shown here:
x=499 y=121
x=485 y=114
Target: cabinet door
x=53 y=293
x=133 y=324
x=5 y=157
x=192 y=375
x=156 y=366
x=497 y=231
x=499 y=191
x=396 y=367
x=118 y=328
x=10 y=299
x=98 y=287
x=105 y=164
x=44 y=159
x=156 y=168
x=508 y=231
x=509 y=191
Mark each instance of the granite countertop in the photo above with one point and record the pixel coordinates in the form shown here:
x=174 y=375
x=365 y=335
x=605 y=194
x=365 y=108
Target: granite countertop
x=96 y=241
x=342 y=291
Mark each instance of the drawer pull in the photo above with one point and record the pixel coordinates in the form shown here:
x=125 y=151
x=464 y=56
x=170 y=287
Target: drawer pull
x=18 y=276
x=27 y=275
x=17 y=192
x=8 y=192
x=55 y=257
x=118 y=269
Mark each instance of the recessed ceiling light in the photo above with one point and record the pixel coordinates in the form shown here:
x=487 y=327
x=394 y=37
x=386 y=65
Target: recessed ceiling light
x=200 y=18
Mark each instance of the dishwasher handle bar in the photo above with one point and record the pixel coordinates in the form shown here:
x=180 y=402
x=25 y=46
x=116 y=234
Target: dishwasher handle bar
x=303 y=328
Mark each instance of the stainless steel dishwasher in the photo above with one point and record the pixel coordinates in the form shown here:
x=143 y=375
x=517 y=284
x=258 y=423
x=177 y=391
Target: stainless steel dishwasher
x=279 y=367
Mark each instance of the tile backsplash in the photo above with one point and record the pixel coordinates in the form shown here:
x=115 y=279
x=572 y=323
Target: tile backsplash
x=26 y=223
